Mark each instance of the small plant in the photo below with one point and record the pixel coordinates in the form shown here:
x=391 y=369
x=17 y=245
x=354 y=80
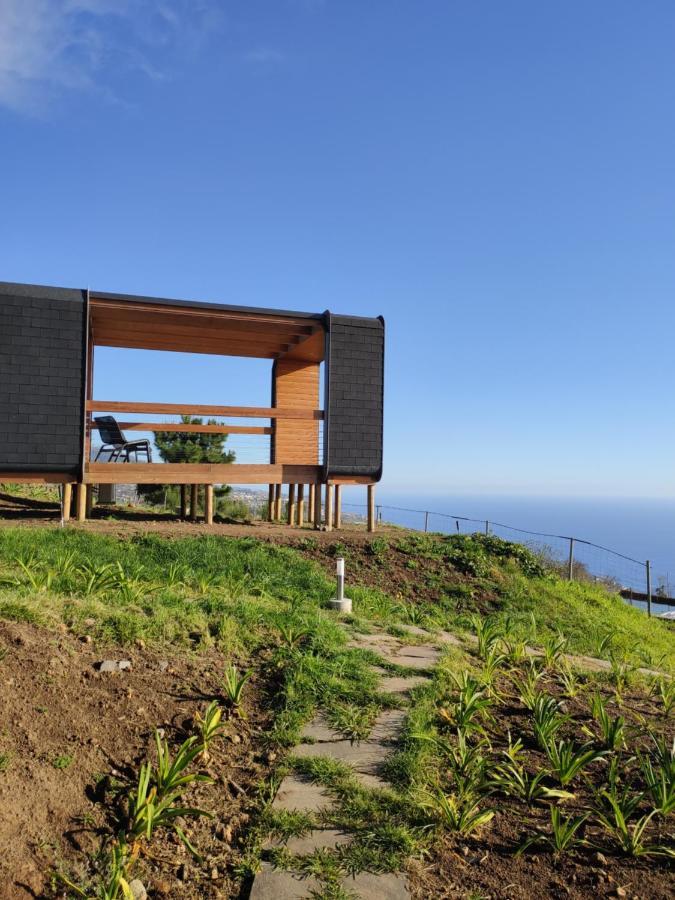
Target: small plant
x=569 y=680
x=62 y=762
x=234 y=684
x=456 y=815
x=568 y=760
x=96 y=579
x=4 y=761
x=546 y=720
x=554 y=647
x=660 y=783
x=526 y=686
x=153 y=804
x=174 y=575
x=665 y=689
x=630 y=837
x=612 y=730
x=602 y=643
x=619 y=676
x=471 y=705
x=209 y=726
x=488 y=631
x=515 y=651
x=512 y=779
x=292 y=635
x=354 y=721
x=563 y=836
x=38 y=577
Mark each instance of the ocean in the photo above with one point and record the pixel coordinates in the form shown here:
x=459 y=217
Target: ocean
x=636 y=530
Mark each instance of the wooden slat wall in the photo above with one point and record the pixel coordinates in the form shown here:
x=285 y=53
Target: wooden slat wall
x=296 y=386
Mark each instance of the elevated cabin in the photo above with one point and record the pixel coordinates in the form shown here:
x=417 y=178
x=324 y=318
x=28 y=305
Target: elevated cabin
x=48 y=403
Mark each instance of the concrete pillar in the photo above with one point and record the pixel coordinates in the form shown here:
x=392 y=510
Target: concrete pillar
x=317 y=506
x=328 y=518
x=291 y=504
x=66 y=501
x=312 y=501
x=338 y=506
x=371 y=507
x=208 y=504
x=81 y=502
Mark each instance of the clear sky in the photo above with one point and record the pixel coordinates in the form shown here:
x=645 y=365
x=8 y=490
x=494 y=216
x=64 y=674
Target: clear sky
x=495 y=178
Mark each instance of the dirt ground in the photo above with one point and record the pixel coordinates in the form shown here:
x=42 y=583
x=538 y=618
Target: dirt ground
x=70 y=733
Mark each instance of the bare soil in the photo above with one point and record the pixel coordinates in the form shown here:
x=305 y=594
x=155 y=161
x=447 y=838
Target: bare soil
x=72 y=735
x=484 y=865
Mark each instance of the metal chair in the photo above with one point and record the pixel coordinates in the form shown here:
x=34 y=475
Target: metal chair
x=116 y=444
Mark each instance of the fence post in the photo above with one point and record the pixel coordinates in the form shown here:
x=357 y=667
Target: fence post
x=487 y=527
x=648 y=566
x=426 y=521
x=570 y=567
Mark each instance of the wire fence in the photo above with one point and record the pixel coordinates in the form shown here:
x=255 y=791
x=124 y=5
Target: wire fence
x=575 y=558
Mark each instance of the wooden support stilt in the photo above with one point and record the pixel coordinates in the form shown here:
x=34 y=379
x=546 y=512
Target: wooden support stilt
x=317 y=506
x=338 y=506
x=311 y=502
x=194 y=498
x=301 y=505
x=183 y=501
x=371 y=507
x=208 y=504
x=66 y=501
x=90 y=499
x=329 y=507
x=291 y=504
x=277 y=502
x=81 y=502
x=270 y=504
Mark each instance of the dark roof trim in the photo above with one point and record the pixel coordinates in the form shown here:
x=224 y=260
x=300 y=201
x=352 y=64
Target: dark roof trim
x=39 y=290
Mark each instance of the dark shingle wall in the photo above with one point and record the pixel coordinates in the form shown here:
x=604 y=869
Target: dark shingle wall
x=42 y=347
x=355 y=396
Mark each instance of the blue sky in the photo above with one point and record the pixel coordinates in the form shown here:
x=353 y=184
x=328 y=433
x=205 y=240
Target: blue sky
x=495 y=178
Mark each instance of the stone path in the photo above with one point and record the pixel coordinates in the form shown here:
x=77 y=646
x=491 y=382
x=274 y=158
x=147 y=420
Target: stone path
x=366 y=759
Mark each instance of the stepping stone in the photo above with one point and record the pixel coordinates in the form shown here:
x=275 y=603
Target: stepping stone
x=424 y=651
x=297 y=793
x=319 y=730
x=372 y=782
x=321 y=838
x=277 y=884
x=416 y=630
x=445 y=637
x=413 y=662
x=366 y=756
x=368 y=886
x=398 y=684
x=388 y=726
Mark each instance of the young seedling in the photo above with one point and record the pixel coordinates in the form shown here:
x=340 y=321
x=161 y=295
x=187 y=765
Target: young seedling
x=514 y=781
x=569 y=680
x=526 y=686
x=665 y=689
x=209 y=726
x=488 y=631
x=461 y=817
x=172 y=777
x=563 y=836
x=660 y=782
x=630 y=837
x=234 y=684
x=620 y=672
x=568 y=760
x=546 y=720
x=612 y=730
x=554 y=647
x=471 y=706
x=292 y=635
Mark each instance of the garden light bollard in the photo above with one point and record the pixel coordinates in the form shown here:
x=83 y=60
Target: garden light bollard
x=340 y=602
